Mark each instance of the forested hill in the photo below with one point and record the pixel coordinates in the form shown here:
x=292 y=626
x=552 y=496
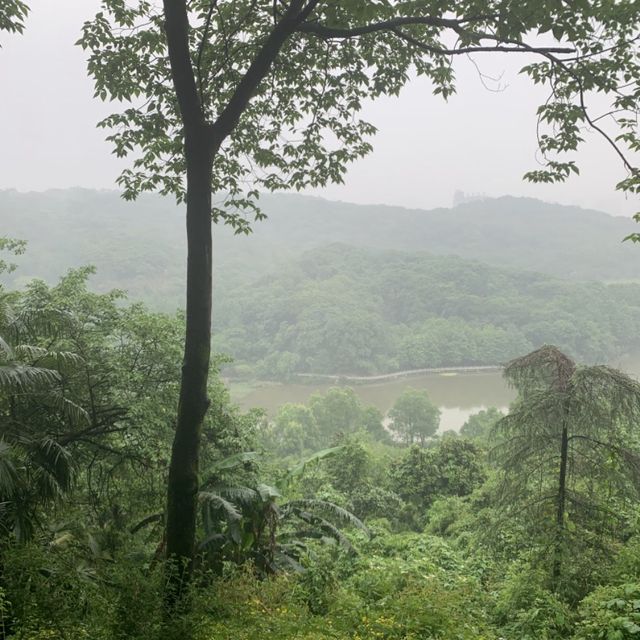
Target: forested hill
x=289 y=299
x=140 y=246
x=524 y=233
x=343 y=310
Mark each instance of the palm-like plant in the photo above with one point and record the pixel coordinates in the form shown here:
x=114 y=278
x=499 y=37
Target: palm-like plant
x=246 y=522
x=35 y=466
x=243 y=522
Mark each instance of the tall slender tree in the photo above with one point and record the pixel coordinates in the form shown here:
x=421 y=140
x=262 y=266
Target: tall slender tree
x=566 y=444
x=227 y=97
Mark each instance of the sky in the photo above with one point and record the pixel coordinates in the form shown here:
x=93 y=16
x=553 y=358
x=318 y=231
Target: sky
x=480 y=142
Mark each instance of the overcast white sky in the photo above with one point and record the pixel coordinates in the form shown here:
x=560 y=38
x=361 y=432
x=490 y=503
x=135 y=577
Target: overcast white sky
x=479 y=142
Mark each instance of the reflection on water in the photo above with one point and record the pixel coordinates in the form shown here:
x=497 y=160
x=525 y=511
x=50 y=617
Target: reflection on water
x=458 y=396
x=452 y=418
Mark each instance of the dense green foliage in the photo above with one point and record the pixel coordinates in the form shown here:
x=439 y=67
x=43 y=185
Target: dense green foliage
x=345 y=310
x=316 y=524
x=367 y=538
x=479 y=426
x=414 y=417
x=223 y=99
x=297 y=429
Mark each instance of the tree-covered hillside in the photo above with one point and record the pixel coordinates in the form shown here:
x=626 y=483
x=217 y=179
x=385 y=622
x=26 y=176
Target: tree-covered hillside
x=340 y=309
x=140 y=246
x=377 y=302
x=507 y=231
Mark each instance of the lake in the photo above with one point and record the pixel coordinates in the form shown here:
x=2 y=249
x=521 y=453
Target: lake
x=457 y=395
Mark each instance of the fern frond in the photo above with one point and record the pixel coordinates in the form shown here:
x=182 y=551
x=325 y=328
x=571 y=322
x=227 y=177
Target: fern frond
x=216 y=503
x=238 y=494
x=234 y=461
x=320 y=528
x=267 y=492
x=20 y=377
x=73 y=412
x=330 y=510
x=5 y=349
x=299 y=469
x=53 y=467
x=59 y=360
x=145 y=522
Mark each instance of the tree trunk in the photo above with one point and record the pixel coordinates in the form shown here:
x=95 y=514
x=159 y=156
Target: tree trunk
x=561 y=507
x=182 y=494
x=202 y=142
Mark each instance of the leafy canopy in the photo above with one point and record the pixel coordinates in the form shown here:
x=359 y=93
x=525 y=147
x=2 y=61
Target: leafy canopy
x=13 y=13
x=300 y=126
x=414 y=416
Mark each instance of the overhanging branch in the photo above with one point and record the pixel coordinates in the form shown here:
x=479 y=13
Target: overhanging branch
x=583 y=107
x=394 y=25
x=334 y=33
x=500 y=48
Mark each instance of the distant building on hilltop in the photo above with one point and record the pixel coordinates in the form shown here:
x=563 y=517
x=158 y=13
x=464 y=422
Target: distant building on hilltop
x=460 y=197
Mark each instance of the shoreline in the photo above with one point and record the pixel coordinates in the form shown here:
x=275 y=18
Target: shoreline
x=310 y=378
x=401 y=374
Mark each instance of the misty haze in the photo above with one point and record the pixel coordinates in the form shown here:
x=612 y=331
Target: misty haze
x=319 y=320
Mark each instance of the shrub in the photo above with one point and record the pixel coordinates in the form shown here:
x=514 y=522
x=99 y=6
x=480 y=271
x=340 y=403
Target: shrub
x=610 y=613
x=526 y=610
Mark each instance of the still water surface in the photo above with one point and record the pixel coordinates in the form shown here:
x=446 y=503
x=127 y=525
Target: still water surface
x=458 y=396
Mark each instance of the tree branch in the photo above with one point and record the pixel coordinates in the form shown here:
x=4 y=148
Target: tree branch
x=258 y=69
x=583 y=107
x=176 y=27
x=423 y=46
x=205 y=35
x=329 y=33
